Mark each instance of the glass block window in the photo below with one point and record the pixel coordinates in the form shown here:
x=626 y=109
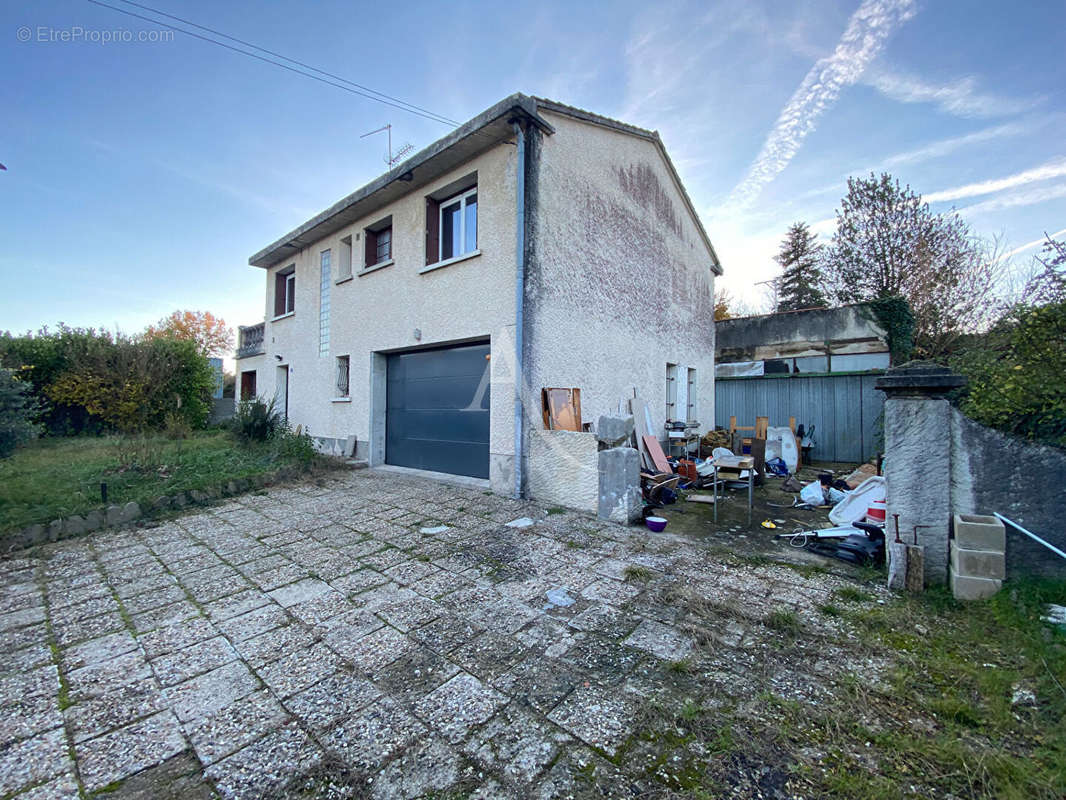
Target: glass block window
x=323 y=303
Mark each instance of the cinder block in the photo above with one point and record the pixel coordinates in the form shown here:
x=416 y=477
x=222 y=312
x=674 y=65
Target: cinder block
x=978 y=563
x=978 y=532
x=966 y=588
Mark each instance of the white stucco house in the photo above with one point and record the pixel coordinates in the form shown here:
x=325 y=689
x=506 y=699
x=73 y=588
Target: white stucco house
x=415 y=321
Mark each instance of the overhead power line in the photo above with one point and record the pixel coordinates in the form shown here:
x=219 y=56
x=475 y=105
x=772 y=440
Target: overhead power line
x=300 y=68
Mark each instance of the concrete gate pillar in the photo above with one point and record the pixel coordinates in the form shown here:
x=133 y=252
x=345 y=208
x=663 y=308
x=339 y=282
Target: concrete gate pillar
x=917 y=464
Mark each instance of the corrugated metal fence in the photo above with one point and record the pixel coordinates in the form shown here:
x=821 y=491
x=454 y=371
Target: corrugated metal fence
x=846 y=410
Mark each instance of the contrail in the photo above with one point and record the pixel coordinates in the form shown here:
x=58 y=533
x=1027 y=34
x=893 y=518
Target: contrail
x=863 y=39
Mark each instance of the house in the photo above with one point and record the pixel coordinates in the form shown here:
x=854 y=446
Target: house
x=415 y=321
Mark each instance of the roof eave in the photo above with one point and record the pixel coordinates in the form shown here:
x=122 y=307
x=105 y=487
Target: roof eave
x=432 y=157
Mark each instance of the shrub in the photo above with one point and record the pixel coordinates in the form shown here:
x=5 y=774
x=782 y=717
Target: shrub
x=1015 y=374
x=43 y=357
x=296 y=447
x=95 y=380
x=17 y=410
x=256 y=421
x=133 y=385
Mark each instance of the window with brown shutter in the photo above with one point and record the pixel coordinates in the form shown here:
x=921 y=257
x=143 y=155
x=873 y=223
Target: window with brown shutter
x=432 y=231
x=285 y=291
x=370 y=249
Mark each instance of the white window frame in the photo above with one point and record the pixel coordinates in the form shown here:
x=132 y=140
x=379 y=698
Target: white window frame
x=346 y=361
x=344 y=263
x=671 y=390
x=692 y=411
x=462 y=198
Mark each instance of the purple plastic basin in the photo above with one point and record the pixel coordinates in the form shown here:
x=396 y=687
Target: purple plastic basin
x=656 y=524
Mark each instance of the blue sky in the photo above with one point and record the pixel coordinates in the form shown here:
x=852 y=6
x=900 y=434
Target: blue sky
x=141 y=175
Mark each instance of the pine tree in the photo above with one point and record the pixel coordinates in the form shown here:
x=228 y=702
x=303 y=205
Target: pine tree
x=799 y=285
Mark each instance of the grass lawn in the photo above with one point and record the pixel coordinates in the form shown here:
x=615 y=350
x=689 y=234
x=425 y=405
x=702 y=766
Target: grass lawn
x=963 y=700
x=52 y=478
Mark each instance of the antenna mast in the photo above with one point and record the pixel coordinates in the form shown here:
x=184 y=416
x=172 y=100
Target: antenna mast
x=390 y=159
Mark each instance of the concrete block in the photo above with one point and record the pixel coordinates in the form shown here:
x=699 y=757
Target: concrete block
x=34 y=535
x=978 y=563
x=74 y=526
x=614 y=431
x=967 y=588
x=619 y=484
x=130 y=512
x=114 y=515
x=978 y=532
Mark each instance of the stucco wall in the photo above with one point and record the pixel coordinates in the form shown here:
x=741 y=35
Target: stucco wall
x=993 y=472
x=380 y=311
x=800 y=333
x=618 y=279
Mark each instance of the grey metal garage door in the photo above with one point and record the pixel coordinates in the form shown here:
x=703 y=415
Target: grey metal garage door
x=437 y=410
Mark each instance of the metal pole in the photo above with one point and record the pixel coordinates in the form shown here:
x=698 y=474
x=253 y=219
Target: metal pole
x=1032 y=536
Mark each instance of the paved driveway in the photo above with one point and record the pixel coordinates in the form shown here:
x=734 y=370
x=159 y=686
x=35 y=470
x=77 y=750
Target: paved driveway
x=377 y=636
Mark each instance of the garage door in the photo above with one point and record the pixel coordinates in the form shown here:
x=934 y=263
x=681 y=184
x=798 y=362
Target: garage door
x=437 y=410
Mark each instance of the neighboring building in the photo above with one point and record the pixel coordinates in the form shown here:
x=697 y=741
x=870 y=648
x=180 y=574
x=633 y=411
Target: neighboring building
x=818 y=340
x=819 y=366
x=392 y=316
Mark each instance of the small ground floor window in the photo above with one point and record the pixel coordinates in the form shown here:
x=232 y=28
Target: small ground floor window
x=248 y=385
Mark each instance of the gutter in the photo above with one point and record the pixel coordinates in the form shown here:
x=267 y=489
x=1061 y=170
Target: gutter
x=520 y=279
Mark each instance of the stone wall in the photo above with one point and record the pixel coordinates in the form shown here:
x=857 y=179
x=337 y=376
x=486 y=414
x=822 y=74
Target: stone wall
x=994 y=472
x=938 y=463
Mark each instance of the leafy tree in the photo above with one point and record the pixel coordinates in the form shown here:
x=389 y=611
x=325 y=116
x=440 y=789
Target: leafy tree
x=800 y=284
x=210 y=333
x=17 y=411
x=888 y=243
x=1015 y=370
x=135 y=386
x=722 y=301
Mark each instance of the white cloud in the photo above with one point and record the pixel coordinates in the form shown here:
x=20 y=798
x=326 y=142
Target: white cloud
x=863 y=39
x=1052 y=169
x=960 y=98
x=1015 y=200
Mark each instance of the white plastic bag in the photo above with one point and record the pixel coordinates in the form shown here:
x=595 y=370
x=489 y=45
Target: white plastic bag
x=812 y=494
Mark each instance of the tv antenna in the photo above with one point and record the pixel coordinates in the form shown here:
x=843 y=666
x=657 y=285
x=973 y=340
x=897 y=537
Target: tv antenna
x=392 y=159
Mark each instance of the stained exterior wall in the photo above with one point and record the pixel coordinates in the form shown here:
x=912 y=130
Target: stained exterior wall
x=840 y=331
x=618 y=278
x=993 y=472
x=380 y=311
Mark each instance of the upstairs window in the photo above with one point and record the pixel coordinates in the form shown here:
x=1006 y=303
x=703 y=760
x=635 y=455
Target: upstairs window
x=458 y=225
x=451 y=220
x=285 y=291
x=378 y=249
x=344 y=265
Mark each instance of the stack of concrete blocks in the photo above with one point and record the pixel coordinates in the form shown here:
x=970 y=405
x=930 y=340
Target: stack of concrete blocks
x=619 y=471
x=978 y=557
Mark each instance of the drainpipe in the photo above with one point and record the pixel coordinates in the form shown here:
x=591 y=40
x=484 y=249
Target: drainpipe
x=519 y=295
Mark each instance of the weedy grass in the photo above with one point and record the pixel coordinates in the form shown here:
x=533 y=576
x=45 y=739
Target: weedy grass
x=58 y=477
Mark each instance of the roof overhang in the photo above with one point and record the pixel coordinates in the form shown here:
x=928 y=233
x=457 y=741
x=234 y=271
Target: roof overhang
x=485 y=131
